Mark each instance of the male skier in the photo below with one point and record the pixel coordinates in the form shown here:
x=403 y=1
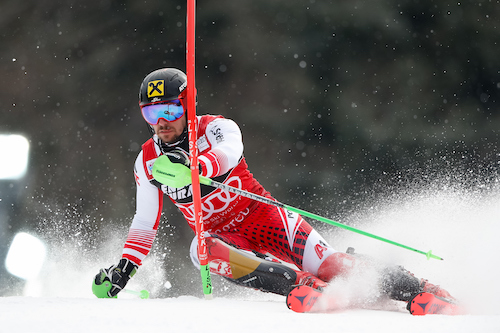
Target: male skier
x=251 y=243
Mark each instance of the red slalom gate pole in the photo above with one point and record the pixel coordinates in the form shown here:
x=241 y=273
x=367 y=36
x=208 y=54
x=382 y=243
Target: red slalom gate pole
x=193 y=148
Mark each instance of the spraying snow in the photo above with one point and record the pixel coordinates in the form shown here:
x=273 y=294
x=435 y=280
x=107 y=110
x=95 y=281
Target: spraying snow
x=460 y=225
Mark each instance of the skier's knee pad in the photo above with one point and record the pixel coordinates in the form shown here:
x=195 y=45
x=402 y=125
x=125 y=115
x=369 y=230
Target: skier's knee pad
x=224 y=258
x=246 y=268
x=219 y=252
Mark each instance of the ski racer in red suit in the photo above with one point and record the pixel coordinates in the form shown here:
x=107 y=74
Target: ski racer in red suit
x=251 y=243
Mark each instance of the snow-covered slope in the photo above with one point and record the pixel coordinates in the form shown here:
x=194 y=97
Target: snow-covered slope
x=191 y=314
x=460 y=226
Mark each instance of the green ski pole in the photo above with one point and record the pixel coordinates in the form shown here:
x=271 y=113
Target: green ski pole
x=144 y=294
x=179 y=176
x=213 y=183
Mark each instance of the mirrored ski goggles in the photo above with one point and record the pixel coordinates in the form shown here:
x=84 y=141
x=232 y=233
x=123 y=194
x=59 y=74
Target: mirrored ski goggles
x=170 y=111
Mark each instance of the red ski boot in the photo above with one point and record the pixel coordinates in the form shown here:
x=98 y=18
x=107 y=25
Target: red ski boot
x=307 y=279
x=426 y=303
x=428 y=287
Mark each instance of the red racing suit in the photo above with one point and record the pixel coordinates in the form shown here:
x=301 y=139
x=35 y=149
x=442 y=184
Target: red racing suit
x=237 y=220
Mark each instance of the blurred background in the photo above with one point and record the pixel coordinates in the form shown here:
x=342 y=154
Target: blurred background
x=340 y=103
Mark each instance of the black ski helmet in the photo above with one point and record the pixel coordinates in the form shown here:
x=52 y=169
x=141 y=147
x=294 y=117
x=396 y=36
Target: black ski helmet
x=162 y=85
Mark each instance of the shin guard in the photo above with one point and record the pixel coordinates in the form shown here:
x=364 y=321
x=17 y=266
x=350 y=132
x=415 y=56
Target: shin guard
x=247 y=269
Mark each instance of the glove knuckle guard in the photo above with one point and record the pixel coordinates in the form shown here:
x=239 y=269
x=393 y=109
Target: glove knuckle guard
x=178 y=156
x=101 y=284
x=110 y=281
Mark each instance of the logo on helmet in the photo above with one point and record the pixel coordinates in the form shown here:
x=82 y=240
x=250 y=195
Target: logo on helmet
x=183 y=86
x=156 y=88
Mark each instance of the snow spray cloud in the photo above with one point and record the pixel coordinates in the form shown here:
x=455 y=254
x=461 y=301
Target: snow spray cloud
x=78 y=246
x=459 y=221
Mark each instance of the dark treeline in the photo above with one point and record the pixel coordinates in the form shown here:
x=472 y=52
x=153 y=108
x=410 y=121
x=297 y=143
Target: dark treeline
x=337 y=100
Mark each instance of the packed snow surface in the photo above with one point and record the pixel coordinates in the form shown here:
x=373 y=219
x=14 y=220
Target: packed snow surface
x=191 y=314
x=460 y=226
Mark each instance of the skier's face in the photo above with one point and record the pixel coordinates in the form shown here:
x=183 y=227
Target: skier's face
x=169 y=131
